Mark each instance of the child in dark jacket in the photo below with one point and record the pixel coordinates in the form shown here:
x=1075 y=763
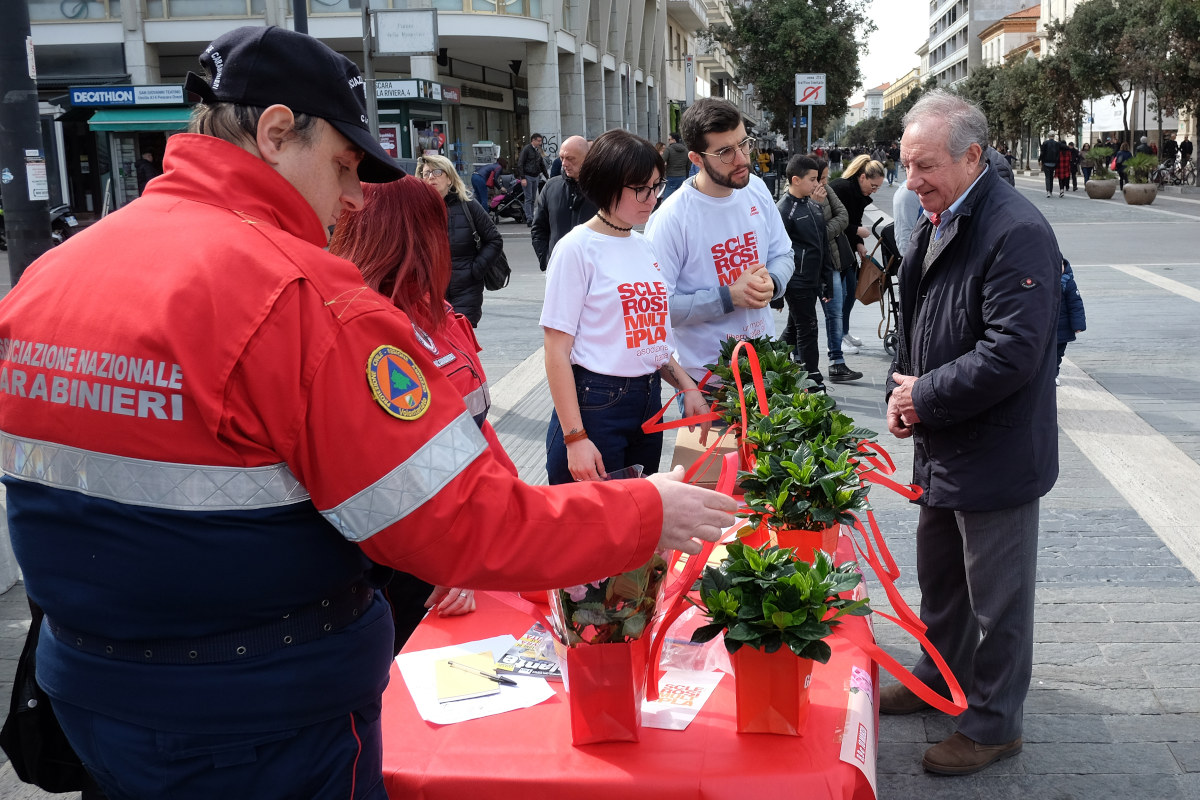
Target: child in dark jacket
x=811 y=283
x=1071 y=319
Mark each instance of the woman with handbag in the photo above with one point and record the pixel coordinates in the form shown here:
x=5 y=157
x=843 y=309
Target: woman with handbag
x=837 y=218
x=399 y=242
x=606 y=322
x=861 y=179
x=474 y=241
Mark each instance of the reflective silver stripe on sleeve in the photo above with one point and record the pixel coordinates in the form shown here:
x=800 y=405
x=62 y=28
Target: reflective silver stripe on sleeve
x=478 y=401
x=404 y=489
x=158 y=484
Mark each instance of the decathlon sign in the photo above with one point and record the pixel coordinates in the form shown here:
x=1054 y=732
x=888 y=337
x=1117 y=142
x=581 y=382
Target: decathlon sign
x=127 y=96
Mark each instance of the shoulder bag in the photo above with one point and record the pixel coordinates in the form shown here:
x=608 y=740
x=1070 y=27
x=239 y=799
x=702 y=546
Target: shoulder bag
x=497 y=272
x=35 y=744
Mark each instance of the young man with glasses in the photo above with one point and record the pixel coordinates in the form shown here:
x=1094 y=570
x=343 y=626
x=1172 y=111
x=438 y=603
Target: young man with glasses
x=721 y=245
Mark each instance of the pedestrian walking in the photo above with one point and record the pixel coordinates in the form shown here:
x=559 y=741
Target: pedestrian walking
x=861 y=179
x=1063 y=170
x=841 y=256
x=1087 y=162
x=972 y=382
x=475 y=243
x=608 y=334
x=678 y=164
x=203 y=549
x=529 y=169
x=1048 y=158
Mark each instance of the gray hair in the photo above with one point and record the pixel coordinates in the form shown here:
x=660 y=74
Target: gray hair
x=964 y=122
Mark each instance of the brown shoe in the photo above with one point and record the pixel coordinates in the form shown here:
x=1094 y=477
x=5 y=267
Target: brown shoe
x=960 y=755
x=897 y=698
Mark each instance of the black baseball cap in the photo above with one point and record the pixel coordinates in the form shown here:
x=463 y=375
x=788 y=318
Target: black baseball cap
x=257 y=66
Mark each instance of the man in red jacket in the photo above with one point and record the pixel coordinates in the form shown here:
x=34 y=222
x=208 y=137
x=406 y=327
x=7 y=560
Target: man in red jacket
x=207 y=426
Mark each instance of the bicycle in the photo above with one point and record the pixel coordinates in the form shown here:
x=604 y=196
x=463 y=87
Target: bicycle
x=1174 y=174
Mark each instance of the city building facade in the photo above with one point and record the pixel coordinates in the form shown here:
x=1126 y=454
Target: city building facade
x=1012 y=37
x=955 y=48
x=111 y=72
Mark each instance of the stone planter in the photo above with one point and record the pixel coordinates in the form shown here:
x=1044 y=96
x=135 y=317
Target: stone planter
x=1101 y=189
x=1140 y=194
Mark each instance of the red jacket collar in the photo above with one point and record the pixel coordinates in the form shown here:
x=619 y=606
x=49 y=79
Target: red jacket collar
x=205 y=169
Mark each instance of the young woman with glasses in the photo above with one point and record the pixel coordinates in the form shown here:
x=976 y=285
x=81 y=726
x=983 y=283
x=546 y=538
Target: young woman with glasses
x=861 y=179
x=606 y=323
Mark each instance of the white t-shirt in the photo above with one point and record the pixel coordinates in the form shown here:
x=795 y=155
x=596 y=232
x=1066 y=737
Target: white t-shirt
x=608 y=292
x=704 y=243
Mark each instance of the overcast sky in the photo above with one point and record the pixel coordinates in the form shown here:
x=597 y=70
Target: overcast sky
x=901 y=27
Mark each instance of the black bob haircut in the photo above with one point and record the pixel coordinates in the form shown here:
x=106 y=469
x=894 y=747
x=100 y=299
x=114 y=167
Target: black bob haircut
x=705 y=116
x=618 y=159
x=799 y=165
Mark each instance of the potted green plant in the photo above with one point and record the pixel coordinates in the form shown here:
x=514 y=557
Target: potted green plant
x=1103 y=183
x=1139 y=191
x=763 y=599
x=782 y=377
x=805 y=481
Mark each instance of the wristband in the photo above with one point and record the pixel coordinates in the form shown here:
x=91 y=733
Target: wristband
x=577 y=436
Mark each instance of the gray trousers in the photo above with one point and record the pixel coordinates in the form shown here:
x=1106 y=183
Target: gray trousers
x=977 y=571
x=531 y=193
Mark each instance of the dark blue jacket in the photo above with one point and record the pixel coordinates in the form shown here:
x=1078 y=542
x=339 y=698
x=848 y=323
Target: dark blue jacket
x=1070 y=311
x=805 y=224
x=978 y=329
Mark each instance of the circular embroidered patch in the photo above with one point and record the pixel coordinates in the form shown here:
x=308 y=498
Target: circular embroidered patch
x=397 y=383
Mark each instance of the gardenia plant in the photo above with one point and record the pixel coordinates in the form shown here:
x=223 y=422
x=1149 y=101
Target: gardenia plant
x=765 y=599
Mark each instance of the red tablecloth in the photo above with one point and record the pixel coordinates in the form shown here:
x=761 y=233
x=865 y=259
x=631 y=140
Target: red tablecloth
x=528 y=753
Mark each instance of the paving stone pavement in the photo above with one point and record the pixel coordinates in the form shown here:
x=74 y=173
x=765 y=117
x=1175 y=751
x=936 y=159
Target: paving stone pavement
x=1114 y=705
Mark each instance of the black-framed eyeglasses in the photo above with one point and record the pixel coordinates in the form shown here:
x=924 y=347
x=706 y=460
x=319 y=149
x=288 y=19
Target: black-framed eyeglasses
x=432 y=173
x=726 y=154
x=644 y=193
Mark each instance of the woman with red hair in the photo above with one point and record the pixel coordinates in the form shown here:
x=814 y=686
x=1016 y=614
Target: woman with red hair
x=399 y=242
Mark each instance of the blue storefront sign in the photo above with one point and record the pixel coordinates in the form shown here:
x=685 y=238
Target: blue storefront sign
x=127 y=96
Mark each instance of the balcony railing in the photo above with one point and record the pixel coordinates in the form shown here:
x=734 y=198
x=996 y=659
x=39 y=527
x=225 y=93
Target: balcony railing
x=520 y=8
x=81 y=10
x=192 y=9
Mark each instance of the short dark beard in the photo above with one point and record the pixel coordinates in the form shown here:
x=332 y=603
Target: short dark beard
x=721 y=180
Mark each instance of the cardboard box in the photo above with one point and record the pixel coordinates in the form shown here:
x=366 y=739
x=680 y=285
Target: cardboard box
x=688 y=449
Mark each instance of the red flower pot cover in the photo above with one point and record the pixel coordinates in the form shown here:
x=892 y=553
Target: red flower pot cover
x=605 y=685
x=771 y=690
x=806 y=542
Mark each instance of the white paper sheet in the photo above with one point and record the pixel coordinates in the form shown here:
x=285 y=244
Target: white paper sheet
x=417 y=670
x=681 y=695
x=859 y=738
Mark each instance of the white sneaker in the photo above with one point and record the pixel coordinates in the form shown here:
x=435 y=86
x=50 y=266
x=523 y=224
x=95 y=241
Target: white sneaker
x=848 y=349
x=852 y=339
x=1057 y=381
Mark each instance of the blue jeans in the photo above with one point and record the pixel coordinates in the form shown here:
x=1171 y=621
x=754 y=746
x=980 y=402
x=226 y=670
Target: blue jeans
x=891 y=176
x=479 y=184
x=672 y=185
x=613 y=410
x=833 y=320
x=849 y=285
x=340 y=758
x=531 y=190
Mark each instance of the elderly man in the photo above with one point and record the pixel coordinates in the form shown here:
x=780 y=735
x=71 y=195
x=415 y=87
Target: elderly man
x=210 y=428
x=561 y=205
x=973 y=384
x=721 y=245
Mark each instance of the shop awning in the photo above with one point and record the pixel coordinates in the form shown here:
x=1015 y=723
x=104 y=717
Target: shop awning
x=140 y=119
